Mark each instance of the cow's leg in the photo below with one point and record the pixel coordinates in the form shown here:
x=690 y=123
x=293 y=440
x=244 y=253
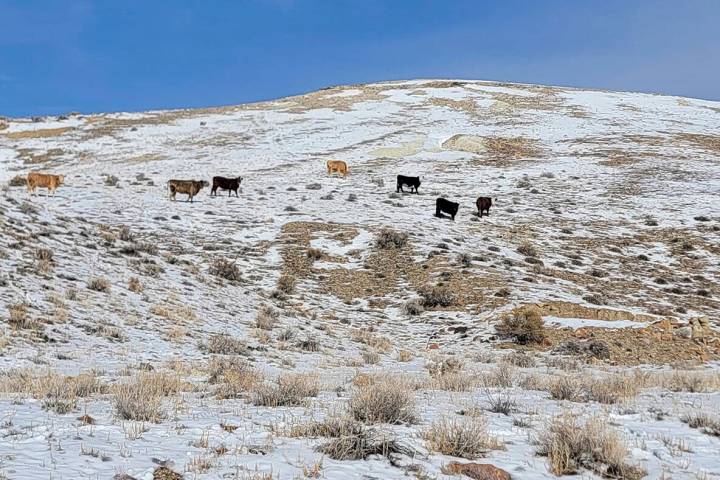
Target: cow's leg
x=236 y=194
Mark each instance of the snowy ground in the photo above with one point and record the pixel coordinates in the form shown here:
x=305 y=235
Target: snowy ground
x=615 y=193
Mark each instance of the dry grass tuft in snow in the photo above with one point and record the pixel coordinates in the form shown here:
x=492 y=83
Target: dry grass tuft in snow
x=387 y=400
x=465 y=437
x=288 y=390
x=572 y=445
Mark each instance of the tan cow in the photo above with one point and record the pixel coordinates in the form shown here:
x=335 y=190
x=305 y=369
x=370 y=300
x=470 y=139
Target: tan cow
x=189 y=187
x=46 y=180
x=337 y=166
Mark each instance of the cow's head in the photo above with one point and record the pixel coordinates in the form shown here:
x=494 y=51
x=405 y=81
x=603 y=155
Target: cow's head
x=239 y=180
x=204 y=183
x=61 y=179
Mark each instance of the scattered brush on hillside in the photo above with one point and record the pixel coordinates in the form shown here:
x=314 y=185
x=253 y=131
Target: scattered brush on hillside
x=704 y=422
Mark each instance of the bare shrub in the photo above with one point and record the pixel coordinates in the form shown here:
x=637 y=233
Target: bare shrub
x=309 y=344
x=523 y=326
x=286 y=284
x=141 y=398
x=17 y=181
x=361 y=445
x=134 y=285
x=99 y=284
x=502 y=376
x=571 y=445
x=703 y=421
x=44 y=255
x=612 y=388
x=372 y=339
x=125 y=234
x=333 y=426
x=388 y=400
x=225 y=345
x=520 y=359
x=691 y=381
x=527 y=249
x=437 y=296
x=266 y=318
x=404 y=355
x=287 y=391
x=566 y=388
x=465 y=437
x=236 y=378
x=18 y=316
x=370 y=358
x=500 y=402
x=388 y=238
x=413 y=307
x=224 y=268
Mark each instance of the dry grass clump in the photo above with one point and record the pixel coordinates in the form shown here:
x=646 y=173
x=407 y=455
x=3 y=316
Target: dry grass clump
x=389 y=238
x=404 y=356
x=527 y=249
x=363 y=444
x=17 y=181
x=704 y=422
x=224 y=268
x=465 y=437
x=125 y=234
x=612 y=388
x=266 y=318
x=18 y=316
x=134 y=285
x=99 y=284
x=286 y=284
x=58 y=393
x=571 y=445
x=690 y=381
x=372 y=339
x=447 y=374
x=523 y=326
x=289 y=390
x=224 y=344
x=609 y=389
x=437 y=296
x=141 y=398
x=413 y=307
x=387 y=400
x=333 y=426
x=512 y=147
x=566 y=388
x=235 y=378
x=520 y=359
x=502 y=376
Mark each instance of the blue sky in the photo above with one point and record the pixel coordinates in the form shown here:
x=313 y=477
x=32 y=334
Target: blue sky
x=58 y=56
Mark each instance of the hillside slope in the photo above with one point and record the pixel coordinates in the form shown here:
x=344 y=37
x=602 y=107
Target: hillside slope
x=604 y=216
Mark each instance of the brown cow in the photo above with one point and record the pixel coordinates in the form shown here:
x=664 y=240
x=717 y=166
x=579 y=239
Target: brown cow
x=483 y=204
x=46 y=180
x=337 y=166
x=190 y=187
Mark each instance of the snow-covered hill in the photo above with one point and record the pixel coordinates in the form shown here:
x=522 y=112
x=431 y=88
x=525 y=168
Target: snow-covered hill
x=605 y=215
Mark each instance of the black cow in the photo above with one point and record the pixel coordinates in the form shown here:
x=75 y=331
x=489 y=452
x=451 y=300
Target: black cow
x=229 y=184
x=483 y=204
x=446 y=206
x=412 y=182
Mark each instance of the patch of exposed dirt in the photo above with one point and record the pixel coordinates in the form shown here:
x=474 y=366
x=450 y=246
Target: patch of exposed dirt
x=40 y=133
x=635 y=346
